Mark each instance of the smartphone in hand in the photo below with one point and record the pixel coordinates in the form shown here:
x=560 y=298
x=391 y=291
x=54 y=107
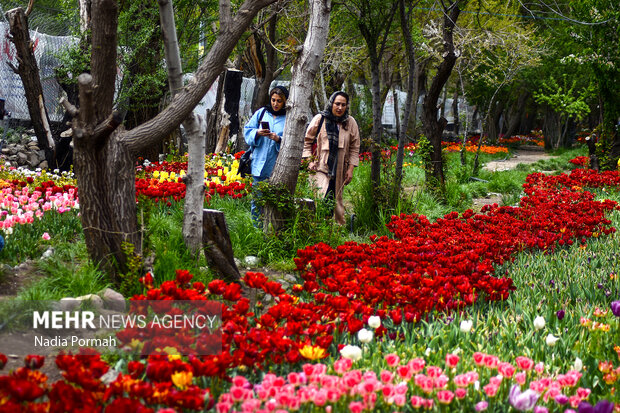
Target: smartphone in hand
x=264 y=125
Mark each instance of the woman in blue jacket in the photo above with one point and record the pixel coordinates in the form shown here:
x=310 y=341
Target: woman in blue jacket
x=263 y=133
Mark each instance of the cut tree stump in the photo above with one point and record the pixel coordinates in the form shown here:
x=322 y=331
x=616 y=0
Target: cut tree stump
x=217 y=246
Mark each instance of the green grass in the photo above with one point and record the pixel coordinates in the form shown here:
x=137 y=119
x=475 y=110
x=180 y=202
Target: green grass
x=68 y=273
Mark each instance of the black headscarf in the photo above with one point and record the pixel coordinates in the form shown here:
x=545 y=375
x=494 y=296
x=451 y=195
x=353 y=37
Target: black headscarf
x=331 y=126
x=282 y=92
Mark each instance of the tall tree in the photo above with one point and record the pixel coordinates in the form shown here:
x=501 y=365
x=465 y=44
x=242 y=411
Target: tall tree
x=374 y=21
x=28 y=71
x=286 y=169
x=432 y=124
x=405 y=26
x=105 y=151
x=194 y=180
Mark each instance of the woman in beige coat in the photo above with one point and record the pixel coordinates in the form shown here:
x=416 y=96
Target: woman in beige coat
x=337 y=150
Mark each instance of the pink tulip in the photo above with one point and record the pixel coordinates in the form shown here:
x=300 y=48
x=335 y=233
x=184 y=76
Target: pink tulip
x=445 y=396
x=417 y=365
x=392 y=359
x=452 y=360
x=490 y=389
x=417 y=401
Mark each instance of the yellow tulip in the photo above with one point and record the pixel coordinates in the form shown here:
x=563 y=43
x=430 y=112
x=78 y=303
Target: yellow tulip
x=312 y=352
x=182 y=379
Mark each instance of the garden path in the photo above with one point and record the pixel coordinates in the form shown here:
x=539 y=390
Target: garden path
x=525 y=155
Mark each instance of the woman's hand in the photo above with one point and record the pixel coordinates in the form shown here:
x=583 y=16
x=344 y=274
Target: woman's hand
x=274 y=137
x=263 y=132
x=348 y=175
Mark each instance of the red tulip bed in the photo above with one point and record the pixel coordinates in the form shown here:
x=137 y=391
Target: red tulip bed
x=427 y=267
x=163 y=181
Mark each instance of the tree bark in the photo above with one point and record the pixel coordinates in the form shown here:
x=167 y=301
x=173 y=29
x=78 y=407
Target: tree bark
x=194 y=180
x=286 y=169
x=105 y=153
x=217 y=246
x=375 y=34
x=433 y=127
x=28 y=71
x=411 y=91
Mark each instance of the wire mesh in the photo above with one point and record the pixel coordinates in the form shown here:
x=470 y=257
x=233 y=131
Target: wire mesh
x=46 y=50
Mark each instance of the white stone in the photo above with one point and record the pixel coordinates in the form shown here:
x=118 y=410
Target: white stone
x=113 y=300
x=94 y=299
x=69 y=304
x=251 y=261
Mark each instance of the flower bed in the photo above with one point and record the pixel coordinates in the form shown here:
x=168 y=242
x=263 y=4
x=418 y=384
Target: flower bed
x=163 y=181
x=26 y=196
x=427 y=268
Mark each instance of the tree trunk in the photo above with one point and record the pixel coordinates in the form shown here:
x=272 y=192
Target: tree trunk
x=434 y=127
x=28 y=71
x=265 y=69
x=286 y=169
x=375 y=35
x=515 y=114
x=377 y=126
x=104 y=155
x=214 y=116
x=455 y=110
x=411 y=88
x=493 y=121
x=217 y=246
x=194 y=180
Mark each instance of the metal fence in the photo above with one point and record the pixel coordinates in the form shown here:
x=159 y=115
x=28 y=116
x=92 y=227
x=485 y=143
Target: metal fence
x=46 y=50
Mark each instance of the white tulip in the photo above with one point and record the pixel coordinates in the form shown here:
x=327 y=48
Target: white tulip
x=539 y=323
x=578 y=365
x=351 y=352
x=364 y=336
x=551 y=340
x=374 y=321
x=466 y=326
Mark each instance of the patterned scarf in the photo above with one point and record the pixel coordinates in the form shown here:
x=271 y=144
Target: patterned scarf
x=332 y=124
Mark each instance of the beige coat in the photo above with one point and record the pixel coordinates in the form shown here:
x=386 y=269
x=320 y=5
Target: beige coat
x=348 y=154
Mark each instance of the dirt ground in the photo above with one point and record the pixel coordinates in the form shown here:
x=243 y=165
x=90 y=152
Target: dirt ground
x=524 y=155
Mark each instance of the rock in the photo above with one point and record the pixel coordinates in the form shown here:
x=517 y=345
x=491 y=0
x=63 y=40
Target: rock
x=22 y=158
x=290 y=278
x=94 y=299
x=113 y=300
x=33 y=145
x=20 y=148
x=6 y=150
x=69 y=304
x=33 y=160
x=251 y=261
x=43 y=165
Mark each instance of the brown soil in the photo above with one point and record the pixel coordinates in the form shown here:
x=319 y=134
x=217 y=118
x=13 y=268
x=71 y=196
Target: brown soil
x=15 y=279
x=524 y=155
